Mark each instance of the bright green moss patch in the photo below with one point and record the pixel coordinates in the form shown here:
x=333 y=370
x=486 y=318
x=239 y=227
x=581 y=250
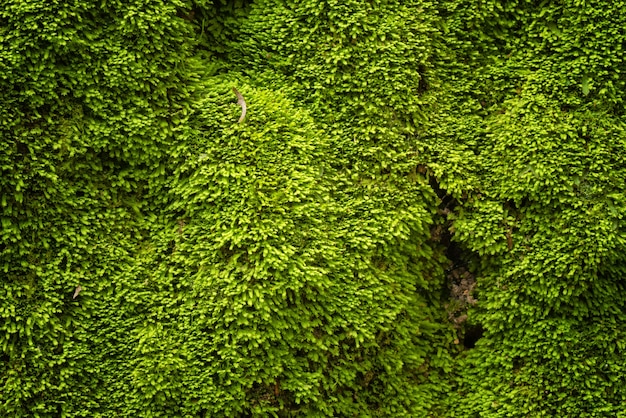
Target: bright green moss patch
x=421 y=214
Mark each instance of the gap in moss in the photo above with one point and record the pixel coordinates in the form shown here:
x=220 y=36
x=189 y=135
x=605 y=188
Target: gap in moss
x=460 y=279
x=471 y=335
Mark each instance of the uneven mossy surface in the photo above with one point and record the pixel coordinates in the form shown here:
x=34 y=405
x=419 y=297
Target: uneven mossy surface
x=422 y=213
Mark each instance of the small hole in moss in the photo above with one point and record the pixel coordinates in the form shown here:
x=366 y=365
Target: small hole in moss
x=473 y=333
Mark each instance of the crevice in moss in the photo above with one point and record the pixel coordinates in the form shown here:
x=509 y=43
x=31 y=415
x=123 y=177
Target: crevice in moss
x=459 y=296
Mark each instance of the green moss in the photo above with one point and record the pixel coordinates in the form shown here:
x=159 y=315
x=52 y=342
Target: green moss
x=296 y=263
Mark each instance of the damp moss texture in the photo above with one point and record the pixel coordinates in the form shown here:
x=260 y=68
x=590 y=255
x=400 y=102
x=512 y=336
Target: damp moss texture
x=421 y=213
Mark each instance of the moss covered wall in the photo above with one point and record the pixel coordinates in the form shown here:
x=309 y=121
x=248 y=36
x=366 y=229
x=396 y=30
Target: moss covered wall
x=422 y=213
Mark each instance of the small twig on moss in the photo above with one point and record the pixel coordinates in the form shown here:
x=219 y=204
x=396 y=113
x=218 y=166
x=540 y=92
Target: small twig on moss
x=241 y=102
